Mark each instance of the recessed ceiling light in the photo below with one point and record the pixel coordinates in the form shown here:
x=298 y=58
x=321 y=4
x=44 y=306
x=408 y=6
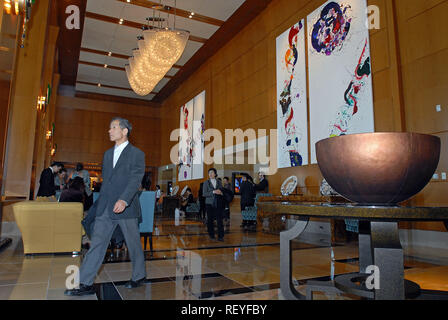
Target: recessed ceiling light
x=190 y=16
x=105 y=66
x=121 y=21
x=99 y=84
x=192 y=13
x=109 y=54
x=129 y=1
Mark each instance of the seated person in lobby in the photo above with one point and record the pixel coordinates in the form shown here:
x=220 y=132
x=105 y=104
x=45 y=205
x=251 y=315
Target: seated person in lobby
x=84 y=174
x=47 y=188
x=59 y=180
x=158 y=193
x=186 y=199
x=75 y=191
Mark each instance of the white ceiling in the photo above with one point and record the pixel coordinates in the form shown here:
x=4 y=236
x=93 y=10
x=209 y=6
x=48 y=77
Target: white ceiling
x=121 y=39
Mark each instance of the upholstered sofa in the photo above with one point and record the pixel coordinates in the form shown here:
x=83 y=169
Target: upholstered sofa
x=49 y=227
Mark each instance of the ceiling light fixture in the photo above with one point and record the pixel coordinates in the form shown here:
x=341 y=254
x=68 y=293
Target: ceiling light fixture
x=158 y=50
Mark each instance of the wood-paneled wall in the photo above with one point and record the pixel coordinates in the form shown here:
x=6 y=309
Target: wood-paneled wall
x=409 y=78
x=82 y=129
x=423 y=44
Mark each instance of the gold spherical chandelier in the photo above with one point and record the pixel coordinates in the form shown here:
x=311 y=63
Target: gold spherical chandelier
x=158 y=50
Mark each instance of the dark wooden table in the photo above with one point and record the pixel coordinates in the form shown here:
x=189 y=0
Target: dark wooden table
x=379 y=245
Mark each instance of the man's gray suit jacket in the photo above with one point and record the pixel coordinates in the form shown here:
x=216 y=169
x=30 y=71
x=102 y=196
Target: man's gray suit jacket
x=122 y=182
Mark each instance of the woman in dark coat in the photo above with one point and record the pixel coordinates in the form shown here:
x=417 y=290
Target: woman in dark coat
x=247 y=191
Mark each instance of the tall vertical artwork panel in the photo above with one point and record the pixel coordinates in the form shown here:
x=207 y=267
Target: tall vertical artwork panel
x=198 y=136
x=186 y=142
x=340 y=81
x=191 y=141
x=292 y=138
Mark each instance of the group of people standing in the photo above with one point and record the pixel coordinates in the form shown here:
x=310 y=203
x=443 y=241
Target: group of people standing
x=217 y=195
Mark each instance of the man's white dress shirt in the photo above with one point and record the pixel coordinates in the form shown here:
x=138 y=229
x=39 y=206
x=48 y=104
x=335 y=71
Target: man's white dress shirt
x=118 y=150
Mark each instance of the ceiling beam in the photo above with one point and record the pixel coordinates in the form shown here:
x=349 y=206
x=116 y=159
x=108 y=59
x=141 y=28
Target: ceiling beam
x=107 y=86
x=174 y=11
x=115 y=55
x=99 y=65
x=93 y=64
x=102 y=85
x=119 y=99
x=131 y=24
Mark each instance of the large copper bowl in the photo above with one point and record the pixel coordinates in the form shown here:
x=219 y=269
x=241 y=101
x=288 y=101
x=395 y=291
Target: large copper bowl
x=378 y=168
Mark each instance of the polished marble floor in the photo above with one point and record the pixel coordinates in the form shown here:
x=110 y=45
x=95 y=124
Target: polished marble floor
x=187 y=265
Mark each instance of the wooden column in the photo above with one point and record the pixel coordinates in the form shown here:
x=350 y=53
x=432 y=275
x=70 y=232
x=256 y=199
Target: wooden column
x=1 y=13
x=26 y=84
x=45 y=116
x=52 y=117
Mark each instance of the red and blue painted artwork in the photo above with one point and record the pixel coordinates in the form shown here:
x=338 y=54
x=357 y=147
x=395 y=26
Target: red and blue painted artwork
x=351 y=95
x=290 y=60
x=331 y=30
x=186 y=155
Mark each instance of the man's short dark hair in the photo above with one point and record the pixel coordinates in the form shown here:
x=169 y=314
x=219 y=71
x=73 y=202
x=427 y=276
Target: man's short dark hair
x=76 y=183
x=57 y=164
x=227 y=178
x=124 y=124
x=79 y=166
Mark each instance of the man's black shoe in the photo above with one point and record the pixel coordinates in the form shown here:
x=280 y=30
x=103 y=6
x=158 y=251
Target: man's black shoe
x=134 y=284
x=82 y=291
x=220 y=239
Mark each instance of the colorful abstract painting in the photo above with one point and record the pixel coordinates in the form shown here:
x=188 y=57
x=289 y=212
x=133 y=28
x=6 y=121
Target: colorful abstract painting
x=191 y=141
x=198 y=136
x=340 y=81
x=292 y=135
x=186 y=141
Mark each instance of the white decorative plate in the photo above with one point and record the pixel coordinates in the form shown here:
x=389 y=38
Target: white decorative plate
x=184 y=190
x=175 y=190
x=288 y=186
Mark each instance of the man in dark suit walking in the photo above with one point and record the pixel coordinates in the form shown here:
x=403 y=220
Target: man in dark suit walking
x=46 y=181
x=117 y=205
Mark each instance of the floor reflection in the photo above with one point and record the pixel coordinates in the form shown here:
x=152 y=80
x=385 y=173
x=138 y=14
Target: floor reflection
x=186 y=265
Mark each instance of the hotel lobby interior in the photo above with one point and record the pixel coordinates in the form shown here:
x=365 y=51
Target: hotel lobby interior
x=342 y=106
